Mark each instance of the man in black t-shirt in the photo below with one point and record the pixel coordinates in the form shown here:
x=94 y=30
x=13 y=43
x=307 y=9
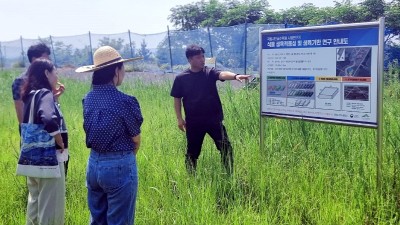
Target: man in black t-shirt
x=196 y=88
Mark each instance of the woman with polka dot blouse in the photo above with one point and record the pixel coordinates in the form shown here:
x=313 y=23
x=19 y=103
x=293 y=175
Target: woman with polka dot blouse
x=112 y=122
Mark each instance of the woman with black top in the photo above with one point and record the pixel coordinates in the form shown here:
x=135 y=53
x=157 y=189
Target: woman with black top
x=46 y=200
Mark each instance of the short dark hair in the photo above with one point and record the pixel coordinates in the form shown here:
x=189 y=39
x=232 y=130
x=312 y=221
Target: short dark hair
x=193 y=50
x=106 y=74
x=36 y=76
x=37 y=51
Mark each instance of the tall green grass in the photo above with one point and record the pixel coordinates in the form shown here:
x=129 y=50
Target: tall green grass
x=307 y=173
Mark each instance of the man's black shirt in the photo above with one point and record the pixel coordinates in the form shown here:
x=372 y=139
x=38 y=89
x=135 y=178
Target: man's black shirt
x=199 y=95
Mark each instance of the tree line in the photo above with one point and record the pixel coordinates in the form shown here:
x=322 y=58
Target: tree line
x=214 y=13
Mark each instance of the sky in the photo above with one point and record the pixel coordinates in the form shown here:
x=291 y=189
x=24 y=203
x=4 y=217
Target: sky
x=42 y=18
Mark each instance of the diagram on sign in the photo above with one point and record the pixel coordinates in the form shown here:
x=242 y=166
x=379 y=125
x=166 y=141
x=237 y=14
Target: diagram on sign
x=277 y=88
x=276 y=91
x=353 y=62
x=301 y=89
x=328 y=93
x=301 y=94
x=340 y=56
x=302 y=102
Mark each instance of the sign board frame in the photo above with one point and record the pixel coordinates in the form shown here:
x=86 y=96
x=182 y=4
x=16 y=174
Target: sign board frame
x=327 y=73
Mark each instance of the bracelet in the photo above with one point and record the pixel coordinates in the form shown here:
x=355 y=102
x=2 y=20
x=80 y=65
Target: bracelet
x=236 y=76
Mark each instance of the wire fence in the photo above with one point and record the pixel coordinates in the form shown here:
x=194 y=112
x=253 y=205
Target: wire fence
x=235 y=48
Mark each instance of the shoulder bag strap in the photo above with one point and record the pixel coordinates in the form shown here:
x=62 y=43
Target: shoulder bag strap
x=32 y=108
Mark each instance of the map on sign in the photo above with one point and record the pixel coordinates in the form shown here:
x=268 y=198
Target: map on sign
x=353 y=62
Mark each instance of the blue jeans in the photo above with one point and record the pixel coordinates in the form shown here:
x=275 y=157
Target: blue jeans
x=112 y=183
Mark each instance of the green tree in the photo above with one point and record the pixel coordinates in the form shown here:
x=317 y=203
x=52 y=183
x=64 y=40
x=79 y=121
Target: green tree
x=117 y=44
x=392 y=18
x=144 y=52
x=63 y=54
x=214 y=11
x=82 y=56
x=346 y=12
x=250 y=11
x=306 y=14
x=270 y=17
x=372 y=9
x=126 y=51
x=188 y=17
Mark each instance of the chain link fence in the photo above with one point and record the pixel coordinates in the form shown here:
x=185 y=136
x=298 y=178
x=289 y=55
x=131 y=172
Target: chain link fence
x=235 y=48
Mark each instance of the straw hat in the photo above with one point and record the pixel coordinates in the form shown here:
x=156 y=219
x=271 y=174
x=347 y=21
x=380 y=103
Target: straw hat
x=102 y=57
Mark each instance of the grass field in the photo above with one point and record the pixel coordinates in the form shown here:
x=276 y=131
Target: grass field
x=308 y=173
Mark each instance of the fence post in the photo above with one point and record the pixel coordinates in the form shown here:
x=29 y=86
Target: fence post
x=209 y=40
x=245 y=47
x=22 y=52
x=91 y=49
x=170 y=51
x=130 y=43
x=54 y=52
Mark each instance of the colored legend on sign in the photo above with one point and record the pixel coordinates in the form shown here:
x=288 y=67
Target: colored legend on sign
x=276 y=78
x=300 y=78
x=330 y=79
x=357 y=79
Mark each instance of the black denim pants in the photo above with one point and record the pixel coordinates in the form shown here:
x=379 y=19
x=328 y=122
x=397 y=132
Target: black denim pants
x=195 y=133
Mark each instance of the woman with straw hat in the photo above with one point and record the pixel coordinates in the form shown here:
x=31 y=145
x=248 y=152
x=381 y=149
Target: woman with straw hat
x=112 y=122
